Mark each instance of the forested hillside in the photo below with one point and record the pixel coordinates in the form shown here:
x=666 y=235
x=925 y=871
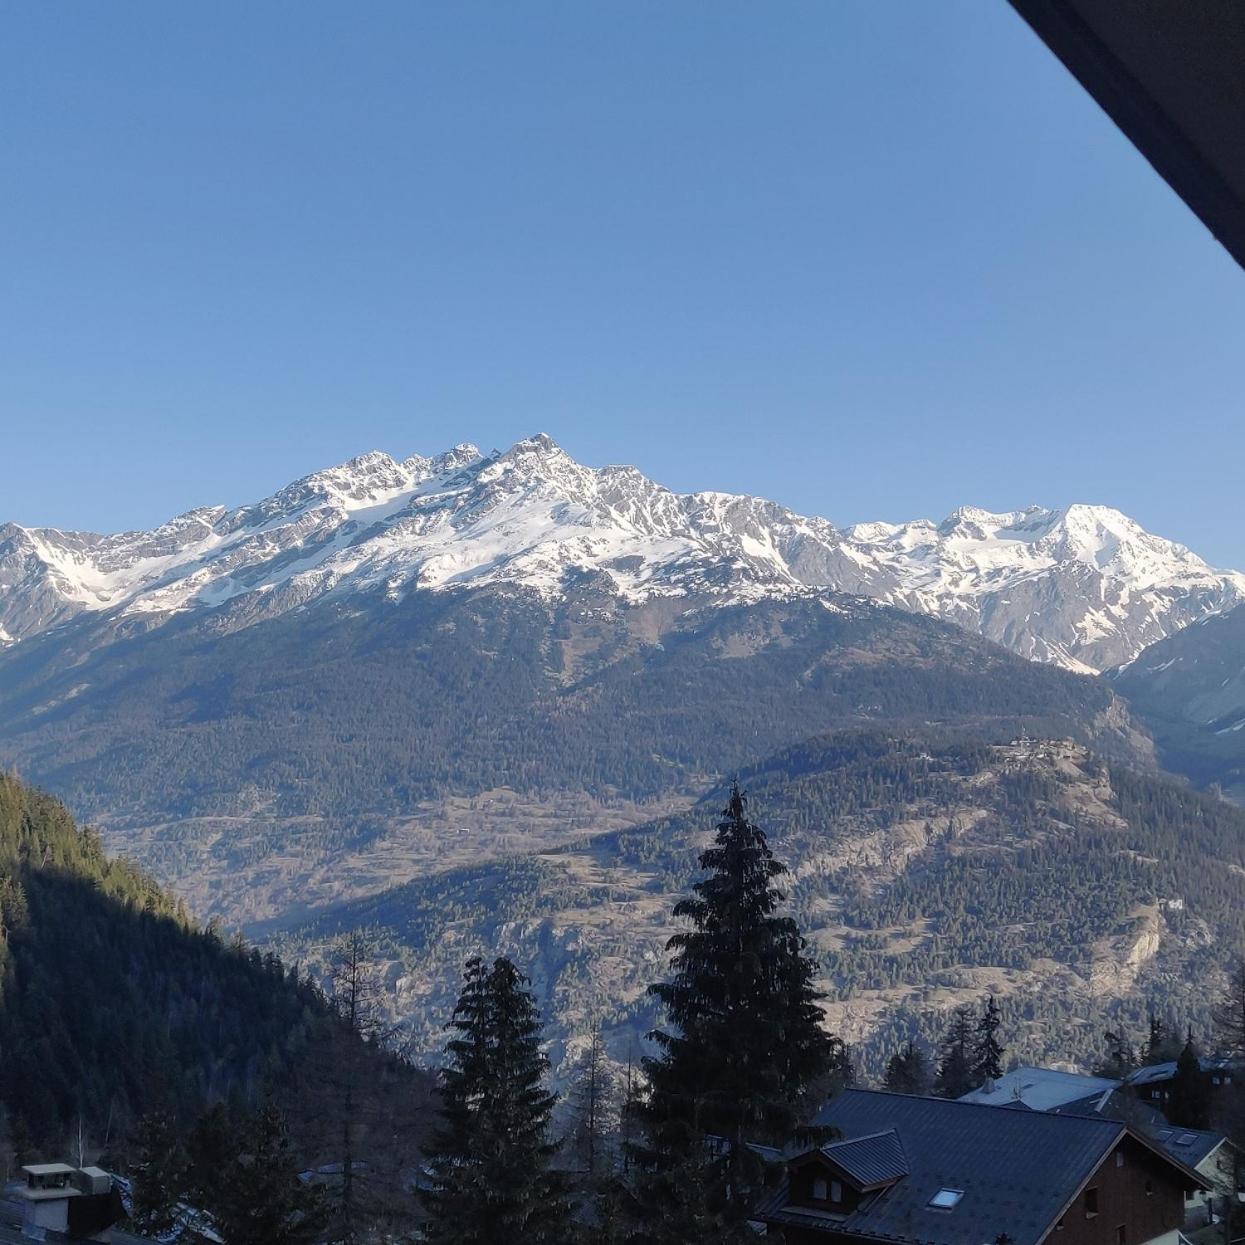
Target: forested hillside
x=926 y=871
x=1190 y=691
x=242 y=762
x=113 y=1004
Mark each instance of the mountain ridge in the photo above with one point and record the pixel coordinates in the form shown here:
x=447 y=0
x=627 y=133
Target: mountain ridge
x=1082 y=586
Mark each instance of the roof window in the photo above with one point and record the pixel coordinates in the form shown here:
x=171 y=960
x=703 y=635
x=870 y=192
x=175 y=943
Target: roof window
x=946 y=1199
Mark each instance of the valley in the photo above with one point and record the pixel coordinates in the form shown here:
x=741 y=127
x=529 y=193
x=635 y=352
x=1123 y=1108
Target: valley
x=489 y=701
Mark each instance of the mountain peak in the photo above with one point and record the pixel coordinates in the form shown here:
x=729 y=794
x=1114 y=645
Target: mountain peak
x=1084 y=586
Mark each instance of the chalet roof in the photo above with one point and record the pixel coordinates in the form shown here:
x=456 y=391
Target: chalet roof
x=1190 y=1145
x=870 y=1162
x=1017 y=1171
x=1168 y=73
x=1155 y=1073
x=1042 y=1089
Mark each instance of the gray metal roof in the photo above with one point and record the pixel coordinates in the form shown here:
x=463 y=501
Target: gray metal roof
x=1018 y=1170
x=1043 y=1089
x=1153 y=1073
x=1189 y=1145
x=869 y=1161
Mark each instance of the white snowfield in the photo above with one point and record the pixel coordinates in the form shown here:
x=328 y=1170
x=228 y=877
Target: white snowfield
x=1084 y=587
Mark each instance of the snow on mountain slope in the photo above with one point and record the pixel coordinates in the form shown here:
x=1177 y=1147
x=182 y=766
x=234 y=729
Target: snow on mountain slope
x=1084 y=587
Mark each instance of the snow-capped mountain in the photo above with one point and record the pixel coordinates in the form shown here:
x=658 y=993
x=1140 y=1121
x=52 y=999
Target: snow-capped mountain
x=1084 y=587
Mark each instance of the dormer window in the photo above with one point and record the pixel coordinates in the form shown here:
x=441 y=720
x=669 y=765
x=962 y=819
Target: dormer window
x=826 y=1190
x=946 y=1199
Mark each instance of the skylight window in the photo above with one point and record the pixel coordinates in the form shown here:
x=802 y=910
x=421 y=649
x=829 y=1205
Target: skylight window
x=946 y=1199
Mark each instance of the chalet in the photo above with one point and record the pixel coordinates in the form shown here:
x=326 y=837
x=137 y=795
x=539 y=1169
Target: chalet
x=1211 y=1155
x=935 y=1172
x=1152 y=1083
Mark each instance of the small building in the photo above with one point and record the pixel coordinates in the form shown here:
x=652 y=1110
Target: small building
x=1152 y=1083
x=1213 y=1157
x=910 y=1171
x=78 y=1202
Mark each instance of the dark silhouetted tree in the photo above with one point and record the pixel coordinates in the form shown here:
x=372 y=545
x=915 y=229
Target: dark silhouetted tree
x=1121 y=1058
x=955 y=1059
x=489 y=1169
x=158 y=1177
x=1189 y=1103
x=987 y=1050
x=1230 y=1013
x=745 y=1040
x=908 y=1071
x=260 y=1200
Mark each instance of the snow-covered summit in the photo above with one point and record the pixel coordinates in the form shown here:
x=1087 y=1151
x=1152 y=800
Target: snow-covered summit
x=1084 y=586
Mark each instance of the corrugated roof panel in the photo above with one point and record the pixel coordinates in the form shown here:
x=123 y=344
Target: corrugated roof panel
x=1016 y=1169
x=870 y=1161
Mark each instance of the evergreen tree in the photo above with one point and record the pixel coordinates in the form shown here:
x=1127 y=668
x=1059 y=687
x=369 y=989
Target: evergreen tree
x=746 y=1040
x=158 y=1178
x=210 y=1148
x=1230 y=1013
x=1189 y=1104
x=1161 y=1045
x=260 y=1199
x=987 y=1051
x=955 y=1061
x=489 y=1164
x=908 y=1071
x=1121 y=1057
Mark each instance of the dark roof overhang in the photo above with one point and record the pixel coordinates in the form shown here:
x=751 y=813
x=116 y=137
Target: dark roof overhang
x=1171 y=75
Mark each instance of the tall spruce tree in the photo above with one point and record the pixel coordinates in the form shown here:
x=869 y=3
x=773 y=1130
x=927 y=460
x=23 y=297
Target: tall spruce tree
x=908 y=1071
x=987 y=1050
x=1121 y=1058
x=159 y=1178
x=955 y=1061
x=745 y=1038
x=490 y=1177
x=260 y=1200
x=1230 y=1013
x=1189 y=1104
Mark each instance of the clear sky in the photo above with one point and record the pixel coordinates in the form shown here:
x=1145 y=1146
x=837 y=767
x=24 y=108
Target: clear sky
x=873 y=259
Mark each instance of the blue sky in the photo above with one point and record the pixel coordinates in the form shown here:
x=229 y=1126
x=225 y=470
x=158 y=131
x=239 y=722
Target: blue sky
x=872 y=259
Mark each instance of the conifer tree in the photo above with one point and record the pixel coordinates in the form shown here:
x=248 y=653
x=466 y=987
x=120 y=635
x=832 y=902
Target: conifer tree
x=158 y=1180
x=745 y=1039
x=987 y=1050
x=1161 y=1045
x=1230 y=1013
x=955 y=1062
x=1121 y=1058
x=260 y=1199
x=210 y=1148
x=1189 y=1104
x=489 y=1164
x=908 y=1071
x=594 y=1102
